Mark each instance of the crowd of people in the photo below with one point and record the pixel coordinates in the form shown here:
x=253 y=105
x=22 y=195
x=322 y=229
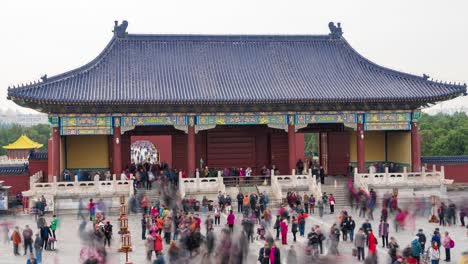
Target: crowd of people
x=33 y=242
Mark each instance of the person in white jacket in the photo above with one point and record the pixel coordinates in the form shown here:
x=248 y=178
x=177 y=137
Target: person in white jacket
x=434 y=253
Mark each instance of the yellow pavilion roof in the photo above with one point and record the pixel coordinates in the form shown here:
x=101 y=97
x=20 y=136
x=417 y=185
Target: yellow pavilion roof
x=23 y=142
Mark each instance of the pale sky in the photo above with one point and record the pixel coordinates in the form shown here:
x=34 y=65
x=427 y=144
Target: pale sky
x=415 y=36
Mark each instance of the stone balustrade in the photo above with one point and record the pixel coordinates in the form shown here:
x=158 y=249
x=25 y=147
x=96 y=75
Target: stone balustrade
x=401 y=179
x=6 y=161
x=201 y=185
x=78 y=188
x=306 y=183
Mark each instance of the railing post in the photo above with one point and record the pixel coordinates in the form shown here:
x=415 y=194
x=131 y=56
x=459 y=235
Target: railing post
x=54 y=186
x=293 y=171
x=272 y=173
x=405 y=174
x=310 y=172
x=424 y=174
x=356 y=176
x=387 y=176
x=197 y=180
x=442 y=173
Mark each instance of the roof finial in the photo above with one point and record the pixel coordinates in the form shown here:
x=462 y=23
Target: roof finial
x=44 y=78
x=335 y=31
x=120 y=31
x=426 y=77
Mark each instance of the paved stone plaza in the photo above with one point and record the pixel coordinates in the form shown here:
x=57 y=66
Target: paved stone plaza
x=69 y=244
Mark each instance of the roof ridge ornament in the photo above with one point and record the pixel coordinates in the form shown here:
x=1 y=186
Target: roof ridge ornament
x=336 y=32
x=426 y=77
x=120 y=31
x=44 y=78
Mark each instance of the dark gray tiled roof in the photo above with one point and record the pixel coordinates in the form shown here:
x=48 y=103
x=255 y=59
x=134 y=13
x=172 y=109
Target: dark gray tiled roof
x=38 y=155
x=13 y=169
x=444 y=159
x=196 y=69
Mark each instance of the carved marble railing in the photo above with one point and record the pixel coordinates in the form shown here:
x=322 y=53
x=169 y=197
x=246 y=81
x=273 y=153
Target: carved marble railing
x=201 y=185
x=6 y=161
x=35 y=178
x=78 y=188
x=393 y=179
x=307 y=183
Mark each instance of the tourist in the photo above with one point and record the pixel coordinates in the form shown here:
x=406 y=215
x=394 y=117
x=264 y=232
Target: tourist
x=331 y=201
x=284 y=232
x=434 y=253
x=173 y=252
x=448 y=244
x=275 y=256
x=393 y=249
x=416 y=248
x=322 y=175
x=384 y=213
x=16 y=239
x=301 y=219
x=230 y=221
x=240 y=199
x=292 y=255
x=360 y=242
x=351 y=225
x=53 y=225
x=149 y=245
x=41 y=221
x=158 y=245
x=167 y=227
x=107 y=233
x=334 y=240
x=320 y=207
x=441 y=211
x=436 y=238
x=366 y=226
x=277 y=226
x=313 y=243
x=462 y=216
x=319 y=232
x=312 y=203
x=38 y=248
x=217 y=215
x=31 y=259
x=305 y=200
x=372 y=241
x=144 y=223
x=246 y=203
x=264 y=254
x=422 y=239
x=144 y=204
x=294 y=227
x=91 y=209
x=383 y=232
x=27 y=239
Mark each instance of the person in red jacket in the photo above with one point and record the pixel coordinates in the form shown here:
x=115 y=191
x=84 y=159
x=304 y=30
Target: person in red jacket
x=158 y=245
x=372 y=243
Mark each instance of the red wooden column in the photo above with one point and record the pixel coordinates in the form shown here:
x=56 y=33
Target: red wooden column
x=292 y=147
x=55 y=153
x=361 y=155
x=415 y=148
x=191 y=150
x=117 y=148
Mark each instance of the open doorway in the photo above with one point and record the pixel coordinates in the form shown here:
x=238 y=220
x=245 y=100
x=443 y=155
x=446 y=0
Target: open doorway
x=311 y=150
x=143 y=151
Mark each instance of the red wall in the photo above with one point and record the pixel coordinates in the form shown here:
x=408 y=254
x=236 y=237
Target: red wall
x=18 y=183
x=162 y=143
x=456 y=172
x=38 y=165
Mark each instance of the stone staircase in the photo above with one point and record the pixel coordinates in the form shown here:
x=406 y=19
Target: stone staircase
x=340 y=192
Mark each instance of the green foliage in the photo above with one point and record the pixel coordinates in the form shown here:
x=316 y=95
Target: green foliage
x=311 y=144
x=38 y=133
x=444 y=135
